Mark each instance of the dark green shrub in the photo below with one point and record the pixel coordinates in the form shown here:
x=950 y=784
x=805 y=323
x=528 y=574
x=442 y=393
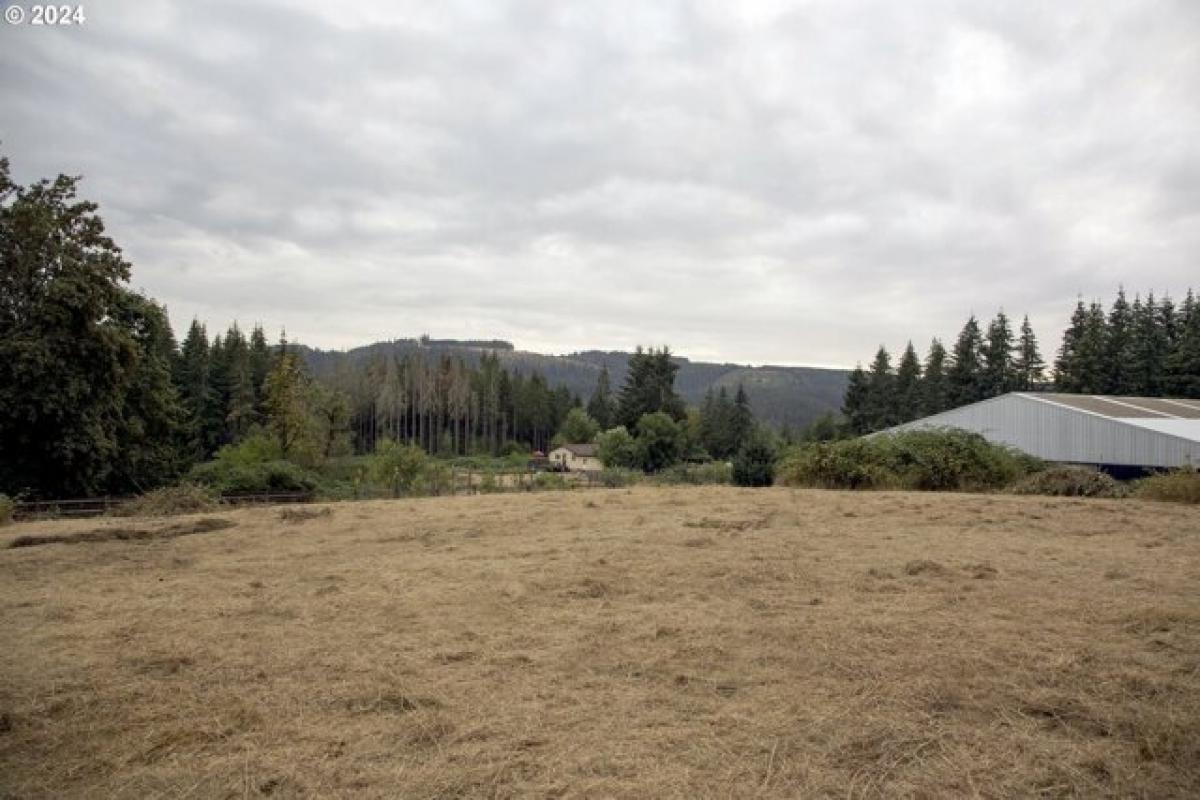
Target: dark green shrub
x=270 y=477
x=1177 y=486
x=1065 y=481
x=754 y=464
x=929 y=460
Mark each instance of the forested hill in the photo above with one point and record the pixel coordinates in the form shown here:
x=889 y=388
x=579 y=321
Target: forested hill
x=778 y=395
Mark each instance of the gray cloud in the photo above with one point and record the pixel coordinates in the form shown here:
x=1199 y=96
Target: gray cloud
x=787 y=183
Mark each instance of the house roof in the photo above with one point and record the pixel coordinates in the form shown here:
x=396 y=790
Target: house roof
x=582 y=450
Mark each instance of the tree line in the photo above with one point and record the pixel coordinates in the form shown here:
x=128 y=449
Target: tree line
x=1149 y=347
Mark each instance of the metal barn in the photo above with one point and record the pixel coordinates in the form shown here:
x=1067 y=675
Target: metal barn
x=1123 y=432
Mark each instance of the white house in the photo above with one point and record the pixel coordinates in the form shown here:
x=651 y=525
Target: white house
x=577 y=457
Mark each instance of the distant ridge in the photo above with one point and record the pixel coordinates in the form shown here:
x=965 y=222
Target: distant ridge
x=792 y=396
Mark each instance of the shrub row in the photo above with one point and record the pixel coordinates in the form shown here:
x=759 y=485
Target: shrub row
x=928 y=460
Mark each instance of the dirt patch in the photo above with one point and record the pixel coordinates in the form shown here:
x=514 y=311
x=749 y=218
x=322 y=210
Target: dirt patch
x=924 y=566
x=297 y=515
x=123 y=534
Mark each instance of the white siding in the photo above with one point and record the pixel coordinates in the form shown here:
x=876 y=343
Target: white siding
x=1058 y=433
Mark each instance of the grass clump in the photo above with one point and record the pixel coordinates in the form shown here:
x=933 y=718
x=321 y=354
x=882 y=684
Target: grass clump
x=1066 y=481
x=619 y=477
x=713 y=472
x=926 y=460
x=186 y=498
x=8 y=507
x=1177 y=486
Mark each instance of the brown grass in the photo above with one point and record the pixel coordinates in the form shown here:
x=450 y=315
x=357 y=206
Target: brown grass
x=684 y=642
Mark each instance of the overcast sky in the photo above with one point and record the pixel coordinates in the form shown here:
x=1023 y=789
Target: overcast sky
x=760 y=182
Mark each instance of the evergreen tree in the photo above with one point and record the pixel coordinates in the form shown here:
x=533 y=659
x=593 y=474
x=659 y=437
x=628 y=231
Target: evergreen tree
x=1068 y=369
x=742 y=419
x=1093 y=352
x=881 y=411
x=1148 y=349
x=1183 y=363
x=152 y=431
x=854 y=402
x=601 y=406
x=1028 y=367
x=964 y=379
x=260 y=365
x=908 y=386
x=999 y=372
x=1118 y=348
x=649 y=387
x=194 y=383
x=935 y=391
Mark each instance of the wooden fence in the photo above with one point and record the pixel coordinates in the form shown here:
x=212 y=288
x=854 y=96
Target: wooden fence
x=458 y=482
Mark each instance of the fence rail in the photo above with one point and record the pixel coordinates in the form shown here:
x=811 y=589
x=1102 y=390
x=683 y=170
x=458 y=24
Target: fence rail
x=459 y=481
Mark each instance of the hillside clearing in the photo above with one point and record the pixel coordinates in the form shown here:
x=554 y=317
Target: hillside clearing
x=650 y=642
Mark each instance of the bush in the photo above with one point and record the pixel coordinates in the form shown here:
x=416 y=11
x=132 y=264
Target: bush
x=186 y=498
x=617 y=449
x=754 y=465
x=7 y=507
x=695 y=474
x=267 y=478
x=550 y=481
x=618 y=478
x=397 y=466
x=660 y=441
x=1177 y=486
x=929 y=460
x=1064 y=481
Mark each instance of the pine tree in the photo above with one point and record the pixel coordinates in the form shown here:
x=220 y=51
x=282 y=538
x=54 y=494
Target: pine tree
x=194 y=384
x=908 y=386
x=1028 y=366
x=854 y=402
x=1068 y=369
x=1183 y=363
x=743 y=419
x=1148 y=351
x=934 y=386
x=600 y=406
x=881 y=396
x=1118 y=348
x=964 y=377
x=999 y=373
x=649 y=387
x=1093 y=367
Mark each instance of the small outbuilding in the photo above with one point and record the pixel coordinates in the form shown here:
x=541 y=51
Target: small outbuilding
x=1118 y=434
x=577 y=457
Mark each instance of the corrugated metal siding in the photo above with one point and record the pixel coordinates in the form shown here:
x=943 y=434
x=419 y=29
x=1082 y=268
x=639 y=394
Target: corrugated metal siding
x=1058 y=433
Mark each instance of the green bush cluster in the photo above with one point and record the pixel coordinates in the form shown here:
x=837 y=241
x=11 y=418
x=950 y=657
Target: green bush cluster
x=929 y=460
x=7 y=507
x=1176 y=486
x=268 y=477
x=551 y=481
x=1067 y=481
x=754 y=464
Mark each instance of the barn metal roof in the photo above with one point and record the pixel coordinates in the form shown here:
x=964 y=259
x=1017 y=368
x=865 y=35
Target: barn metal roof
x=1085 y=429
x=1125 y=407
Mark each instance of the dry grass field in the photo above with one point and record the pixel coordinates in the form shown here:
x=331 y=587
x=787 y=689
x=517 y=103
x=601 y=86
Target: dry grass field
x=688 y=642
